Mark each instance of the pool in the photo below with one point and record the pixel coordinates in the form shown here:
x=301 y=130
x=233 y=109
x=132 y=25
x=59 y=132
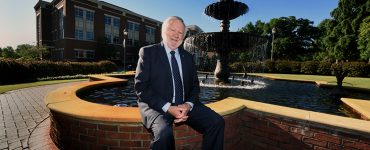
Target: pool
x=284 y=93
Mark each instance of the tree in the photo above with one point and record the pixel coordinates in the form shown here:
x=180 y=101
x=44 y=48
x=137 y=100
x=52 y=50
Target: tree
x=326 y=40
x=1 y=51
x=258 y=28
x=342 y=32
x=295 y=39
x=8 y=52
x=24 y=51
x=364 y=39
x=27 y=51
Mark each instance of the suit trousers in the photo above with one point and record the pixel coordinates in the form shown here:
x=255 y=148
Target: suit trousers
x=201 y=118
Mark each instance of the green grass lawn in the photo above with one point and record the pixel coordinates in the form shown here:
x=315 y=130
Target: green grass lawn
x=5 y=88
x=348 y=81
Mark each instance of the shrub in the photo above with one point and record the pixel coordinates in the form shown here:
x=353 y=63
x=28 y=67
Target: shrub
x=236 y=67
x=323 y=68
x=13 y=71
x=269 y=66
x=295 y=67
x=357 y=69
x=309 y=67
x=283 y=66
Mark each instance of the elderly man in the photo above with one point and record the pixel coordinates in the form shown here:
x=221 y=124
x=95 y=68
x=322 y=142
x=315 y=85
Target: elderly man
x=167 y=85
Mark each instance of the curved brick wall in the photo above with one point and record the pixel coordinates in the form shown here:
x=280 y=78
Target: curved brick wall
x=245 y=129
x=73 y=133
x=77 y=124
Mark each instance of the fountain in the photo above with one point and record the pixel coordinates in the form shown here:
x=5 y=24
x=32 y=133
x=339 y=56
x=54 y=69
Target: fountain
x=223 y=42
x=79 y=124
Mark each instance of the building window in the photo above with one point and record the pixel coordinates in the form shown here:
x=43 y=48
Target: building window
x=58 y=54
x=133 y=29
x=112 y=25
x=116 y=56
x=150 y=35
x=84 y=24
x=39 y=27
x=79 y=13
x=79 y=34
x=85 y=54
x=61 y=23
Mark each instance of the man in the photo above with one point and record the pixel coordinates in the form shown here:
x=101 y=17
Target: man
x=167 y=85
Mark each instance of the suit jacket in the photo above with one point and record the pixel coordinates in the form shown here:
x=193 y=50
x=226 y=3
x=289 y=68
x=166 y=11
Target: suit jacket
x=153 y=81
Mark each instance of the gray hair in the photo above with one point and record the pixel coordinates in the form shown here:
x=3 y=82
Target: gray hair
x=169 y=20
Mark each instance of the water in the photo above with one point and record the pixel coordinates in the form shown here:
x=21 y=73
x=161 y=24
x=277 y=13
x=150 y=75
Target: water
x=284 y=93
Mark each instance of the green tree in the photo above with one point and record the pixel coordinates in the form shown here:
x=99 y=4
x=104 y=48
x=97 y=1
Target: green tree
x=364 y=39
x=24 y=51
x=8 y=52
x=326 y=40
x=1 y=52
x=27 y=51
x=295 y=39
x=342 y=32
x=258 y=28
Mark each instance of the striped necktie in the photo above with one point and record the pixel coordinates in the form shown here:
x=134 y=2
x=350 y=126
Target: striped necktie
x=177 y=78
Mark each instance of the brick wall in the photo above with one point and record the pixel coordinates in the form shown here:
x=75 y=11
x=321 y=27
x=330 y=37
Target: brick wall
x=272 y=132
x=245 y=129
x=72 y=133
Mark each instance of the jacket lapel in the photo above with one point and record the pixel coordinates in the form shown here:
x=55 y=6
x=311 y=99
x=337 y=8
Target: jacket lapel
x=185 y=69
x=165 y=68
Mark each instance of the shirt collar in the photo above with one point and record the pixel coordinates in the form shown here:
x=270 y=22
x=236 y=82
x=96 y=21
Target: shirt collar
x=168 y=50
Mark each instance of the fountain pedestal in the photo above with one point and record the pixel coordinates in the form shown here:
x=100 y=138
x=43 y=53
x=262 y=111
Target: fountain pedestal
x=222 y=71
x=223 y=42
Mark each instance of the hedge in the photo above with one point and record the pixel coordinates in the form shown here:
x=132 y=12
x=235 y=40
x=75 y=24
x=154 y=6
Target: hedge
x=355 y=69
x=16 y=71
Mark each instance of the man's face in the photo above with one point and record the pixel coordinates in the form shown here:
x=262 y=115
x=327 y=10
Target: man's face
x=174 y=34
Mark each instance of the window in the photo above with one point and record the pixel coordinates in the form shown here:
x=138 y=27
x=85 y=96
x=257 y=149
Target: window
x=89 y=36
x=58 y=54
x=89 y=16
x=79 y=34
x=85 y=54
x=107 y=20
x=61 y=23
x=79 y=13
x=84 y=24
x=150 y=35
x=39 y=27
x=112 y=25
x=133 y=33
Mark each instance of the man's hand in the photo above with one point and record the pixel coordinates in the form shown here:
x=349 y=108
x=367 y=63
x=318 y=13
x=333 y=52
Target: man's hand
x=185 y=109
x=180 y=112
x=176 y=111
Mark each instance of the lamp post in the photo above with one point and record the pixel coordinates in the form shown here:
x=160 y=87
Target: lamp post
x=273 y=31
x=125 y=33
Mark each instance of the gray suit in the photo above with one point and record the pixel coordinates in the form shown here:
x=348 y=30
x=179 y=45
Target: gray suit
x=154 y=88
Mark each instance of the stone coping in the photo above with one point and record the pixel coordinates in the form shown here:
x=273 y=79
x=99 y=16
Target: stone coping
x=64 y=100
x=360 y=106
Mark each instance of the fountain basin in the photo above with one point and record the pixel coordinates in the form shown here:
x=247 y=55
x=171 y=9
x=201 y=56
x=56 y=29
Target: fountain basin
x=78 y=124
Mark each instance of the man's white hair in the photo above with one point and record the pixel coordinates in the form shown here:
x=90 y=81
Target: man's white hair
x=169 y=20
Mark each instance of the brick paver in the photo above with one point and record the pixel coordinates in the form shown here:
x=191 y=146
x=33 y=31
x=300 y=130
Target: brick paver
x=23 y=111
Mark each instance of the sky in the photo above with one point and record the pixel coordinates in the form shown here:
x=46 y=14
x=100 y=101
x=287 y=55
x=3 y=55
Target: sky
x=18 y=19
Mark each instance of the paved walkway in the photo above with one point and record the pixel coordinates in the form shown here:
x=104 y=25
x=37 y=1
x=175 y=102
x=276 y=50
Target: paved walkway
x=24 y=118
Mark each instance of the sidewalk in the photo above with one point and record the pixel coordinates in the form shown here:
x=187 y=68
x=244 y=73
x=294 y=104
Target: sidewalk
x=24 y=122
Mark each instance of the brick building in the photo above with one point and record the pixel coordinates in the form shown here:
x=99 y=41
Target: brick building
x=89 y=30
